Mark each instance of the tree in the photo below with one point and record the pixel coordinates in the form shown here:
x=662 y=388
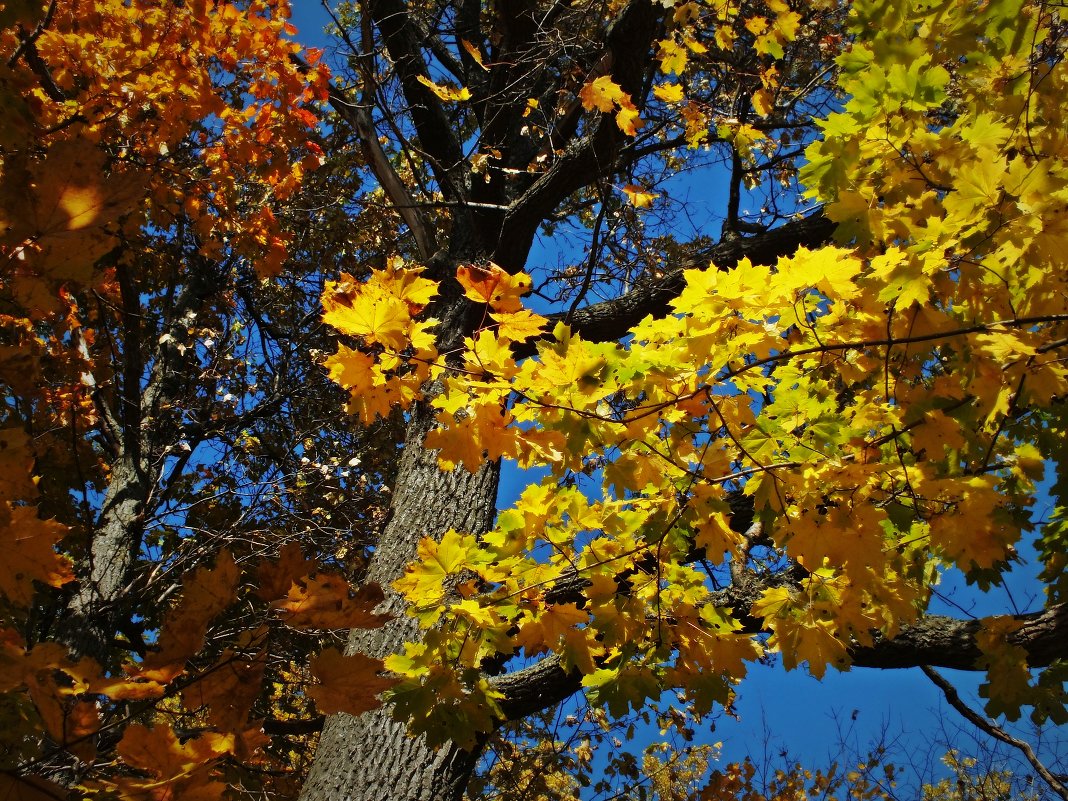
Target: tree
x=149 y=377
x=762 y=442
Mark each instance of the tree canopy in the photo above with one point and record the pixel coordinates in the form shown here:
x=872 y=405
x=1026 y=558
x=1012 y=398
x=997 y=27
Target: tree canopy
x=768 y=299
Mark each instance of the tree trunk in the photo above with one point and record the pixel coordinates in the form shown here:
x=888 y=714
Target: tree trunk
x=89 y=626
x=372 y=757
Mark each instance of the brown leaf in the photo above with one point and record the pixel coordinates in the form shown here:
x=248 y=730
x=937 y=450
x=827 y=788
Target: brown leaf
x=275 y=578
x=347 y=683
x=207 y=592
x=159 y=752
x=16 y=466
x=29 y=788
x=27 y=544
x=326 y=601
x=228 y=689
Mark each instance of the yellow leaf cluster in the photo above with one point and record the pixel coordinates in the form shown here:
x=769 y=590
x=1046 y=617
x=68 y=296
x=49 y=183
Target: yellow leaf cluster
x=605 y=95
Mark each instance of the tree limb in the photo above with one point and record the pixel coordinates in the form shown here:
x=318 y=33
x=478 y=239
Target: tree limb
x=609 y=320
x=933 y=640
x=359 y=119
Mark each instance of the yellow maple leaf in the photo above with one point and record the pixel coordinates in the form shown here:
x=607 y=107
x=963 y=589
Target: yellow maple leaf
x=639 y=197
x=628 y=119
x=473 y=51
x=407 y=284
x=519 y=326
x=545 y=629
x=763 y=102
x=724 y=37
x=668 y=92
x=422 y=581
x=380 y=309
x=120 y=688
x=672 y=56
x=445 y=92
x=352 y=369
x=602 y=94
x=372 y=315
x=605 y=95
x=756 y=25
x=572 y=363
x=481 y=434
x=348 y=684
x=831 y=270
x=493 y=285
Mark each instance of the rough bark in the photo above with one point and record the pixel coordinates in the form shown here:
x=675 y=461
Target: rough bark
x=89 y=626
x=372 y=757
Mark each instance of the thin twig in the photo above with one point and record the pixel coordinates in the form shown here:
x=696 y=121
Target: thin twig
x=994 y=730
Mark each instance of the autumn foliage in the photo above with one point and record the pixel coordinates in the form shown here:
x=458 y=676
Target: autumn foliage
x=859 y=416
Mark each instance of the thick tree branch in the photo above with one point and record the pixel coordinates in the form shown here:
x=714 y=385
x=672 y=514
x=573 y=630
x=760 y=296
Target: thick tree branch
x=933 y=640
x=436 y=133
x=951 y=643
x=610 y=319
x=627 y=43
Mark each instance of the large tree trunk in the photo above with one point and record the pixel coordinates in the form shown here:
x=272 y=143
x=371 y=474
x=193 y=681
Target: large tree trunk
x=372 y=757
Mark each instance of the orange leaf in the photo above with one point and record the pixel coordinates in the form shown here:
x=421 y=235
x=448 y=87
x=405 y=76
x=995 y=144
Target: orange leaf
x=474 y=53
x=275 y=578
x=118 y=688
x=628 y=120
x=639 y=197
x=326 y=601
x=228 y=689
x=16 y=465
x=208 y=591
x=27 y=544
x=602 y=94
x=158 y=751
x=80 y=723
x=76 y=199
x=493 y=285
x=347 y=683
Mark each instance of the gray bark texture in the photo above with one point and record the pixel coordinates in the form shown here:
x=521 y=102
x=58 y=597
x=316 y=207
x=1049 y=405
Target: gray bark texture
x=89 y=625
x=372 y=757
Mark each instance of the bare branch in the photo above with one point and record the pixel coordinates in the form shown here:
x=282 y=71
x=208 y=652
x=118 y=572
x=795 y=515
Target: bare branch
x=994 y=730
